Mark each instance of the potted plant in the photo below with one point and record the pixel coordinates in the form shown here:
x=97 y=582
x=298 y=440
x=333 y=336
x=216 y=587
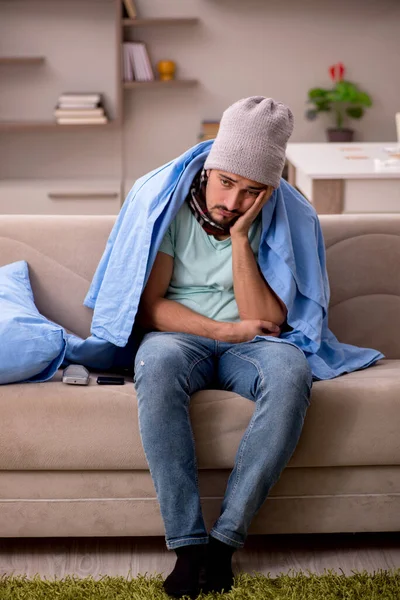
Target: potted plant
x=344 y=100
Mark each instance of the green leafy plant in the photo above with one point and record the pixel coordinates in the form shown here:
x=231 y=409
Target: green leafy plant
x=344 y=99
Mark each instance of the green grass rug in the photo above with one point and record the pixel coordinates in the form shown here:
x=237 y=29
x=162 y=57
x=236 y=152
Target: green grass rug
x=382 y=585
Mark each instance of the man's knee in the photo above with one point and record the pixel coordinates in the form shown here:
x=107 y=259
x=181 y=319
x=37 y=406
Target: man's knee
x=292 y=365
x=158 y=358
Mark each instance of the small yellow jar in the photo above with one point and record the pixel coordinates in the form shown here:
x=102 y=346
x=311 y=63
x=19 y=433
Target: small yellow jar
x=166 y=69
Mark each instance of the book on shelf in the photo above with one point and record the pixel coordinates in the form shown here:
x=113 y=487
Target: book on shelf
x=127 y=63
x=136 y=62
x=80 y=109
x=142 y=69
x=129 y=8
x=77 y=105
x=76 y=112
x=82 y=120
x=77 y=98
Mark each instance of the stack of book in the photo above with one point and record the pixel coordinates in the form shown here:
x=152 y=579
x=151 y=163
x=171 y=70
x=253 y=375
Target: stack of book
x=80 y=109
x=136 y=61
x=209 y=130
x=129 y=9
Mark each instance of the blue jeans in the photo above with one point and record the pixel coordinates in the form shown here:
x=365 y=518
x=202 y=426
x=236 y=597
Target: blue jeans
x=169 y=368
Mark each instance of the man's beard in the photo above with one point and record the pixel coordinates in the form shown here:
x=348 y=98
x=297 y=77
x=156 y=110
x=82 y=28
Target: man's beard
x=221 y=219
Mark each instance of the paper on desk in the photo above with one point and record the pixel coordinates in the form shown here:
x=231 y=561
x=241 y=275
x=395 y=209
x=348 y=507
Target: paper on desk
x=389 y=164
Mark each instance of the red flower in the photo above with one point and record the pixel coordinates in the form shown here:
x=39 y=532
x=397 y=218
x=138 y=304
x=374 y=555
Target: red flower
x=337 y=72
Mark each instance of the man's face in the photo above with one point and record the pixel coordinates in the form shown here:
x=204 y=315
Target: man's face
x=229 y=196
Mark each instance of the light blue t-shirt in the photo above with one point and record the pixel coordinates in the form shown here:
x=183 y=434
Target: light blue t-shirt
x=202 y=277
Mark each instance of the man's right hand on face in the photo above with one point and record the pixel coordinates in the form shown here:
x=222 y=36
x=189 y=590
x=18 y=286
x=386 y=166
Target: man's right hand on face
x=246 y=330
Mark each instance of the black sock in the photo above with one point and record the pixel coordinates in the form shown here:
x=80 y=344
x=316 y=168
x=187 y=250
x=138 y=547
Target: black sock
x=184 y=579
x=219 y=574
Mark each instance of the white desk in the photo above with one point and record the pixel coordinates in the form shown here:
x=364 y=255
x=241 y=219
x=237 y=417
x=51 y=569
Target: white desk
x=341 y=177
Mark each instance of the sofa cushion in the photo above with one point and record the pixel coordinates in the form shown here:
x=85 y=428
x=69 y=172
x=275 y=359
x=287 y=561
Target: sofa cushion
x=31 y=347
x=60 y=279
x=352 y=420
x=362 y=258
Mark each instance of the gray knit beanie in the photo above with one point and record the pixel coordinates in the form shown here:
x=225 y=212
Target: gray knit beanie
x=251 y=140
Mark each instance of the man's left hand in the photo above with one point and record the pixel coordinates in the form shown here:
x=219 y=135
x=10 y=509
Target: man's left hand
x=242 y=226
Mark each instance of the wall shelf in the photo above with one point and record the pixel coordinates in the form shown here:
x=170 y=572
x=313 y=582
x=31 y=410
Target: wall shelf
x=48 y=125
x=159 y=21
x=129 y=85
x=21 y=60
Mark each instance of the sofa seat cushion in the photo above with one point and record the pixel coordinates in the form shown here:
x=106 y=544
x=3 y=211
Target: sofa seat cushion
x=352 y=420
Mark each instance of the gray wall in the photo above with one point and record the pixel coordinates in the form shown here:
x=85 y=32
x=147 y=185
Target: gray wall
x=240 y=48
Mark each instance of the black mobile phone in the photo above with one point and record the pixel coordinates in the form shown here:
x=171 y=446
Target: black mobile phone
x=109 y=380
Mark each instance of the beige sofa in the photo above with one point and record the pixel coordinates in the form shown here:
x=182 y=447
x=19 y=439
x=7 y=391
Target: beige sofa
x=71 y=459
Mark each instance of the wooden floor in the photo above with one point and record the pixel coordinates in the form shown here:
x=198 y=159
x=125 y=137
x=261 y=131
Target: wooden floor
x=273 y=554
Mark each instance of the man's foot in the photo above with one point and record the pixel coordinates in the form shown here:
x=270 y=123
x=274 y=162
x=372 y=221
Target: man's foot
x=184 y=579
x=219 y=574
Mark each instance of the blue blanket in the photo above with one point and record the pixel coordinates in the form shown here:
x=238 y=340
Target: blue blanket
x=291 y=258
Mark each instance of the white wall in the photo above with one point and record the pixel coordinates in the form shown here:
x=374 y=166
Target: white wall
x=240 y=48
